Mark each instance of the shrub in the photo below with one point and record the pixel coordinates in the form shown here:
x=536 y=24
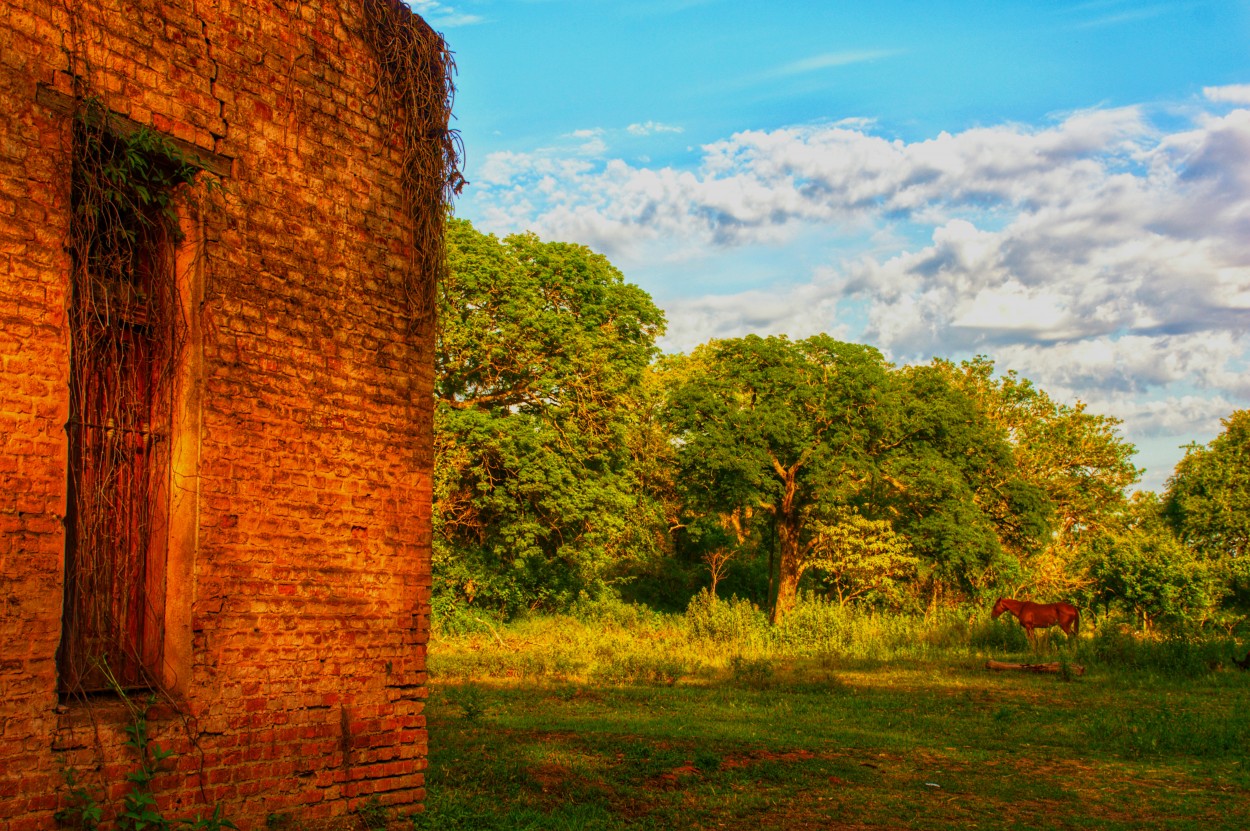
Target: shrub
x=733 y=622
x=754 y=673
x=609 y=609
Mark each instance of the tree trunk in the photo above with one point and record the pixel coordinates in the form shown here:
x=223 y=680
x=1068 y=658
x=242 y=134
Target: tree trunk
x=771 y=599
x=791 y=567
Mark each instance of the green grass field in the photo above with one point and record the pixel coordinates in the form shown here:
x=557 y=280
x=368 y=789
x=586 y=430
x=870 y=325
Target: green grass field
x=561 y=725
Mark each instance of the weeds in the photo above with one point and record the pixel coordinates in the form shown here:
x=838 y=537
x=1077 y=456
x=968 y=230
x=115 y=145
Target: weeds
x=472 y=703
x=373 y=815
x=754 y=673
x=84 y=810
x=139 y=810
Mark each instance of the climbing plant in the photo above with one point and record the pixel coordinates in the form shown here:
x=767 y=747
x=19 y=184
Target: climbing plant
x=125 y=333
x=415 y=70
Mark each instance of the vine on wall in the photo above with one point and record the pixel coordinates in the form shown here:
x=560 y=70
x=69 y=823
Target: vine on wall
x=125 y=335
x=415 y=70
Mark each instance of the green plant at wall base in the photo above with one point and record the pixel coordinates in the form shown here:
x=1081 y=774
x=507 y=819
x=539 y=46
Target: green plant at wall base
x=216 y=822
x=139 y=809
x=373 y=814
x=83 y=810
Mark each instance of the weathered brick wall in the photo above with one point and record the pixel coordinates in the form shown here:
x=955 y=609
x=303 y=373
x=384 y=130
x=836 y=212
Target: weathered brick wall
x=305 y=680
x=34 y=363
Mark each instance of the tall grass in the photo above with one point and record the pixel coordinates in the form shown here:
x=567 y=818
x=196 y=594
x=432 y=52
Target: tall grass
x=610 y=641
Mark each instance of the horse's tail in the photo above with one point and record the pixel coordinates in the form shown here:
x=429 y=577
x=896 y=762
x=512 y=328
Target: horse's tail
x=1076 y=623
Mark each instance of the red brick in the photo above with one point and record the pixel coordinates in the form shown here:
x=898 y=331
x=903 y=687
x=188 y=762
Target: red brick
x=309 y=576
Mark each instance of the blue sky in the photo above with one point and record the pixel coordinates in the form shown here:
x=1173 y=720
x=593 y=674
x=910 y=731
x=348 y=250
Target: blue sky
x=1062 y=186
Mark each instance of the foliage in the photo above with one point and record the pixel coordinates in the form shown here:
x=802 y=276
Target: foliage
x=125 y=190
x=571 y=461
x=852 y=465
x=777 y=740
x=1072 y=465
x=733 y=623
x=541 y=356
x=756 y=673
x=1144 y=568
x=1207 y=504
x=139 y=810
x=84 y=810
x=773 y=428
x=861 y=558
x=373 y=814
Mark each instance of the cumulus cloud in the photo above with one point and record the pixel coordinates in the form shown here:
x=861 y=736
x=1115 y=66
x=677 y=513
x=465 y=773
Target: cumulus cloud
x=1100 y=255
x=1232 y=94
x=648 y=128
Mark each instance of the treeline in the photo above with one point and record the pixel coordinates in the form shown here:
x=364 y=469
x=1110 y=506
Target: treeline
x=573 y=460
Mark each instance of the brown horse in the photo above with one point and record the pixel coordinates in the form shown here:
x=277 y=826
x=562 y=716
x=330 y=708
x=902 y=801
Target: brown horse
x=1040 y=615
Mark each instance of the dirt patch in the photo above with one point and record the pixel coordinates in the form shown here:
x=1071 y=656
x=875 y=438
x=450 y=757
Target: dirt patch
x=755 y=757
x=550 y=776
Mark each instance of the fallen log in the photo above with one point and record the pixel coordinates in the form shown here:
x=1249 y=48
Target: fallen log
x=999 y=666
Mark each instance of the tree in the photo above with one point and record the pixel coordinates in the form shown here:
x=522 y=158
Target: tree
x=953 y=488
x=828 y=443
x=860 y=557
x=540 y=359
x=1142 y=567
x=1207 y=503
x=1064 y=455
x=776 y=427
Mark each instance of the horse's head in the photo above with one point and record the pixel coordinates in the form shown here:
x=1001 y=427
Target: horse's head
x=999 y=608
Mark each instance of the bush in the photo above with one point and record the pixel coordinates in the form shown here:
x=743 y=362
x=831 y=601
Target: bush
x=754 y=673
x=608 y=608
x=453 y=617
x=733 y=622
x=1001 y=635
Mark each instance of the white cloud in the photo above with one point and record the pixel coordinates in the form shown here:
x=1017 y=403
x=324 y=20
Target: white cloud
x=1231 y=94
x=589 y=142
x=1101 y=256
x=831 y=60
x=648 y=128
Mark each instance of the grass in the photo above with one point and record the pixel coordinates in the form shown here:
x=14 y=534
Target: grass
x=564 y=724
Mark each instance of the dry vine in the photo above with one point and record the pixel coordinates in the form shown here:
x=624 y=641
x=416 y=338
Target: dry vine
x=415 y=79
x=125 y=335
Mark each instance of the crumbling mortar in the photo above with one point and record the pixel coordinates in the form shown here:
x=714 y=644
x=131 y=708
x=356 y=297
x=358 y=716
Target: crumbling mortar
x=209 y=51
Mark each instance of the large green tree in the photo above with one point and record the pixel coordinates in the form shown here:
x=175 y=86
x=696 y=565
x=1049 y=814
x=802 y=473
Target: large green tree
x=953 y=487
x=1207 y=503
x=824 y=439
x=1076 y=460
x=541 y=353
x=1141 y=567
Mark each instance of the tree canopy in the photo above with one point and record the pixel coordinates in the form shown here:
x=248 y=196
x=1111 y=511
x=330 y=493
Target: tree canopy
x=572 y=457
x=828 y=442
x=1065 y=456
x=1207 y=504
x=541 y=353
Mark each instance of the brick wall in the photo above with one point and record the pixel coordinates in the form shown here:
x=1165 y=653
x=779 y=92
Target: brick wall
x=298 y=661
